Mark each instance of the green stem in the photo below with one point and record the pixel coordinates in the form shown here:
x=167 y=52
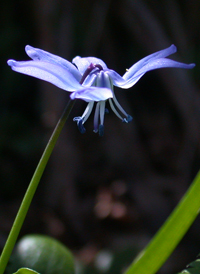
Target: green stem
x=167 y=238
x=10 y=243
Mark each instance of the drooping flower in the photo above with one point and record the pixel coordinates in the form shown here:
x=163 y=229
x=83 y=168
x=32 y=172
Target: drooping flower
x=91 y=80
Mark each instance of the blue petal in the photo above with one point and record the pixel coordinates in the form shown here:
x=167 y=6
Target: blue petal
x=83 y=63
x=159 y=54
x=90 y=94
x=46 y=71
x=41 y=55
x=150 y=62
x=154 y=64
x=116 y=78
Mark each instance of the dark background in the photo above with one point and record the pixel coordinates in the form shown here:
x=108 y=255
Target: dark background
x=111 y=193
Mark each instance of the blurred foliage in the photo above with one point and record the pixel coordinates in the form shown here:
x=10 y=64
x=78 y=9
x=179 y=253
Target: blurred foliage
x=108 y=192
x=109 y=262
x=192 y=268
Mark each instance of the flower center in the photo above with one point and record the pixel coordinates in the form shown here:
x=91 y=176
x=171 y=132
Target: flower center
x=89 y=69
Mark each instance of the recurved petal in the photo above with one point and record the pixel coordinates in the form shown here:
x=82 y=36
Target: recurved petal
x=41 y=55
x=52 y=73
x=116 y=78
x=90 y=94
x=163 y=63
x=154 y=64
x=83 y=63
x=159 y=54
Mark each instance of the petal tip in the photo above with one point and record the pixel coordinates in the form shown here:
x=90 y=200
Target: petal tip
x=27 y=48
x=31 y=52
x=191 y=66
x=75 y=59
x=73 y=95
x=173 y=48
x=11 y=62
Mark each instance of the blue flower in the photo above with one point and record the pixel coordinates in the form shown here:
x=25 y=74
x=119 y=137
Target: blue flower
x=91 y=80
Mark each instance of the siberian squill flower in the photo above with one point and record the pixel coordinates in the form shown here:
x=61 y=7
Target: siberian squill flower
x=91 y=80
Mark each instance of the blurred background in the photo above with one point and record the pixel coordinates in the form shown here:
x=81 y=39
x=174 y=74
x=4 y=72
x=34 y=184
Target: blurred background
x=103 y=197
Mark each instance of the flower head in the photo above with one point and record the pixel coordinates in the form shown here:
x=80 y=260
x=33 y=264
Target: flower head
x=91 y=80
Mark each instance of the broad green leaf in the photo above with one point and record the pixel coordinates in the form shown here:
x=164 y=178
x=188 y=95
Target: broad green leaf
x=26 y=271
x=43 y=254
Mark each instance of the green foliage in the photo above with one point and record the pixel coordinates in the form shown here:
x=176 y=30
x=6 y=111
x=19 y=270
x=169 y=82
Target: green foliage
x=43 y=254
x=109 y=262
x=121 y=260
x=26 y=271
x=192 y=268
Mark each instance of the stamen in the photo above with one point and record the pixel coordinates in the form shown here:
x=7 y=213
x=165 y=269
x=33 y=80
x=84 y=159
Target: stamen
x=79 y=121
x=119 y=106
x=89 y=70
x=128 y=117
x=87 y=111
x=96 y=118
x=102 y=111
x=101 y=130
x=114 y=110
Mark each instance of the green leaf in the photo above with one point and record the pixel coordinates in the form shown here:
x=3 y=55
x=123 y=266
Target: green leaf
x=170 y=234
x=192 y=268
x=26 y=271
x=43 y=254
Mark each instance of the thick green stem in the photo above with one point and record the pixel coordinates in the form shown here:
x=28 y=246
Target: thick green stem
x=167 y=238
x=10 y=243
